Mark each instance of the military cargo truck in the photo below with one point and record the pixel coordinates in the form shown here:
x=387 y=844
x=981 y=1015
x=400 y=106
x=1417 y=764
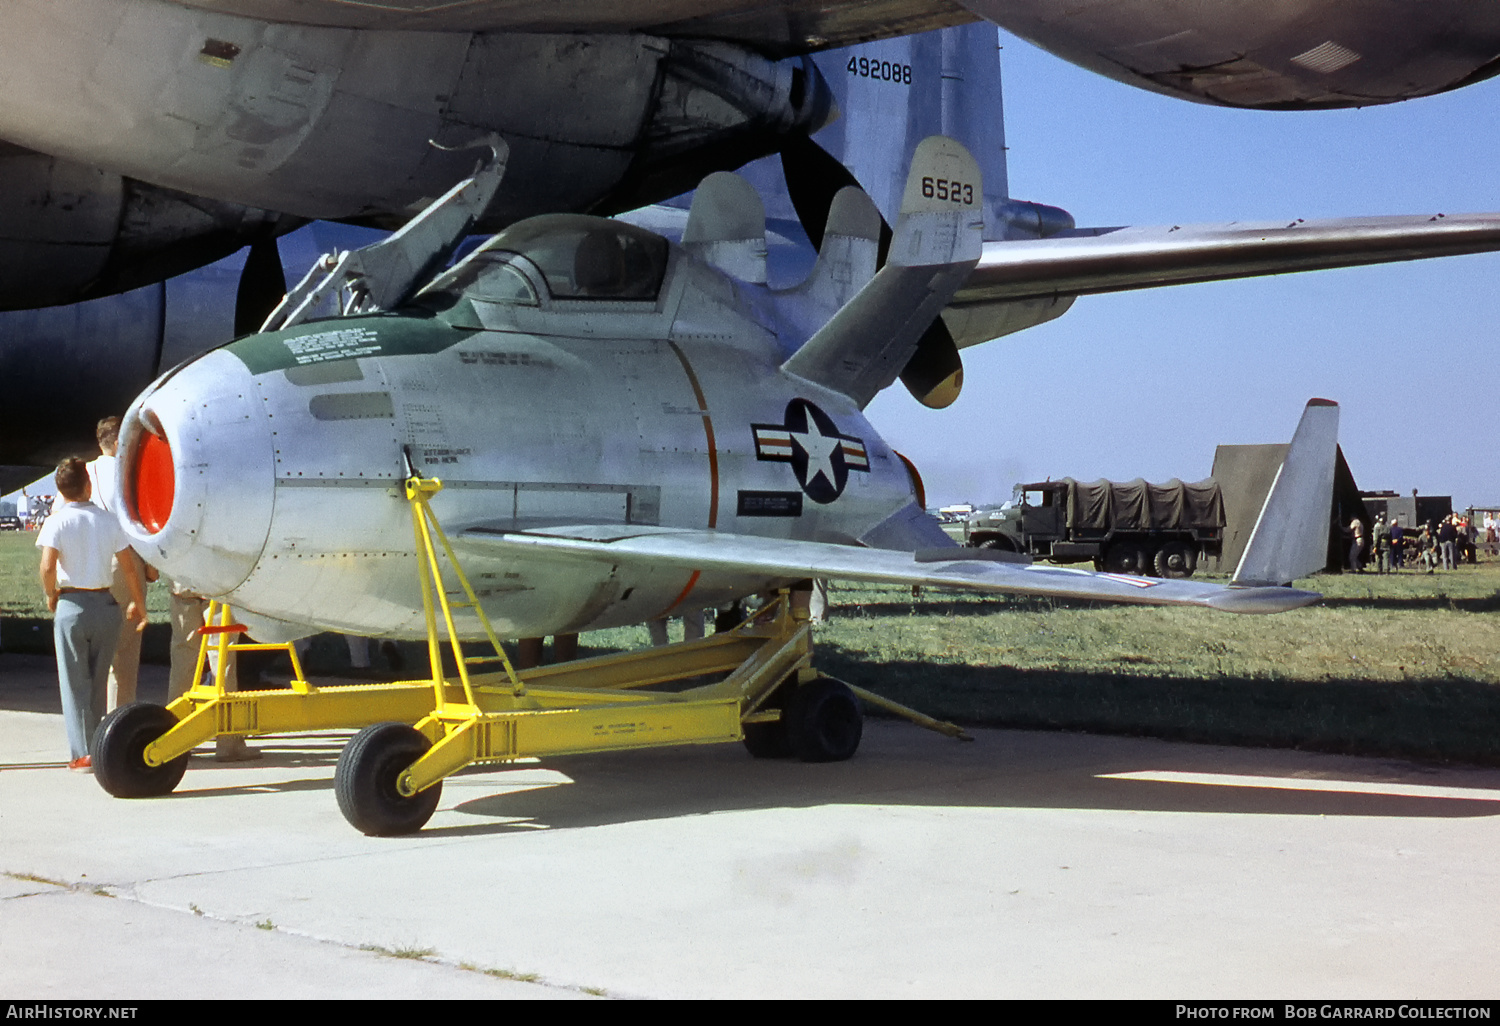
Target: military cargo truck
x=1124 y=527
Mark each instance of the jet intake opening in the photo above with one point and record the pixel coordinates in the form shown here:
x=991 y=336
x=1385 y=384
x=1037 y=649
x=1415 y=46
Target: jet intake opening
x=152 y=483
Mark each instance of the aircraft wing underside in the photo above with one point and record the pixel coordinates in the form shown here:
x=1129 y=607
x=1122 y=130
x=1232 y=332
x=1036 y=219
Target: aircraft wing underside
x=778 y=28
x=1092 y=260
x=719 y=552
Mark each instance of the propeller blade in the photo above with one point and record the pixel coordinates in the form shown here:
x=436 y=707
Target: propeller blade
x=813 y=177
x=935 y=373
x=262 y=286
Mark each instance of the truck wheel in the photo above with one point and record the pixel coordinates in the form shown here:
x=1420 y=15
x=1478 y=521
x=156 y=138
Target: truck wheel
x=1125 y=558
x=1176 y=559
x=998 y=544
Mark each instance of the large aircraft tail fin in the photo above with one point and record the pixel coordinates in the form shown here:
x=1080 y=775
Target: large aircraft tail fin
x=936 y=243
x=1290 y=537
x=894 y=93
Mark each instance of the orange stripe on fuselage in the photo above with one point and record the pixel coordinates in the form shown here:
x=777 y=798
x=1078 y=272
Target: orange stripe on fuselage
x=708 y=431
x=713 y=469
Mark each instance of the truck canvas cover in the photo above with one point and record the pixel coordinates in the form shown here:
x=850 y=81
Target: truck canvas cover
x=1138 y=506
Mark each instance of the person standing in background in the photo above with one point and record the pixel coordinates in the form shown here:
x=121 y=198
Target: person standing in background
x=77 y=541
x=1447 y=537
x=125 y=667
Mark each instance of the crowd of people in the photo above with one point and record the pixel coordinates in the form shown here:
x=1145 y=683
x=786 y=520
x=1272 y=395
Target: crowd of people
x=1428 y=547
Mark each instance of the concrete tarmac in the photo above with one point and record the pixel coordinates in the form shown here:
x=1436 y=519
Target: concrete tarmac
x=1026 y=864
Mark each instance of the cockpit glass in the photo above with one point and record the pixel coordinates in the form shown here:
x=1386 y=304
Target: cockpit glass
x=492 y=277
x=584 y=257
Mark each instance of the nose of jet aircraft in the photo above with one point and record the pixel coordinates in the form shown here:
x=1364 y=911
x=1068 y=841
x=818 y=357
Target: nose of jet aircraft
x=197 y=474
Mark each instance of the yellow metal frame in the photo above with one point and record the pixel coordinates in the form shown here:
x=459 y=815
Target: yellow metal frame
x=587 y=705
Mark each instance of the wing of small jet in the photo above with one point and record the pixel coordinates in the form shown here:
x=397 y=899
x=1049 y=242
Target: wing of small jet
x=977 y=569
x=1081 y=262
x=780 y=28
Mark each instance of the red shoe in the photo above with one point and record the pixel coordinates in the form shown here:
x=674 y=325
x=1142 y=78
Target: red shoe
x=83 y=765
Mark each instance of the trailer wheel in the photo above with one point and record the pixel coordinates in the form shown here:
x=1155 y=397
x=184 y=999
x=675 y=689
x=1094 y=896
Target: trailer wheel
x=824 y=721
x=1125 y=558
x=365 y=781
x=1176 y=559
x=120 y=749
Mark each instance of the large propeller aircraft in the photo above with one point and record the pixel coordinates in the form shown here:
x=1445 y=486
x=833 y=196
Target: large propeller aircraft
x=140 y=139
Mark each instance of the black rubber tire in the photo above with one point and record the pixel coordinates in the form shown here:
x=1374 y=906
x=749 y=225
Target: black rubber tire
x=768 y=740
x=824 y=721
x=1125 y=558
x=119 y=752
x=1176 y=559
x=998 y=544
x=365 y=781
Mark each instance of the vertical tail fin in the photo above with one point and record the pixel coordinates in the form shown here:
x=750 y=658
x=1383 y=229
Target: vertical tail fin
x=847 y=260
x=863 y=348
x=894 y=93
x=1290 y=537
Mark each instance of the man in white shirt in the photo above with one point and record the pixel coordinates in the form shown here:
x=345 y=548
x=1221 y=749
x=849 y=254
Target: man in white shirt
x=125 y=667
x=78 y=542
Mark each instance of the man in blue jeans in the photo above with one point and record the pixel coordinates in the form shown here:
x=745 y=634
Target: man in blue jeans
x=78 y=542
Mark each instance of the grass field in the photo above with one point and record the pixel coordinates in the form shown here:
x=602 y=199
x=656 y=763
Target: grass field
x=1406 y=664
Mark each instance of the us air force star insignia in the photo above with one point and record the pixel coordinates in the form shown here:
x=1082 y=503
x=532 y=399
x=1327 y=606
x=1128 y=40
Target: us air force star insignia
x=809 y=440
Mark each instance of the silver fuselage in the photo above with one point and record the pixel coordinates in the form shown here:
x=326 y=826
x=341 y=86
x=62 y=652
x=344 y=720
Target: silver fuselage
x=287 y=453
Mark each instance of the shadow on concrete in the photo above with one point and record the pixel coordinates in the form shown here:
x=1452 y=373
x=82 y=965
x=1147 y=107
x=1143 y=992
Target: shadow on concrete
x=1443 y=719
x=1007 y=770
x=1036 y=766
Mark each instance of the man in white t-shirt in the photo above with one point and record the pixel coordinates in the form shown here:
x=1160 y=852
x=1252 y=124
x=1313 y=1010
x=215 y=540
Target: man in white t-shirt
x=125 y=666
x=78 y=542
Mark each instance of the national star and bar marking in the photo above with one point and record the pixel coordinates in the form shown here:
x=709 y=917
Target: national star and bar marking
x=820 y=454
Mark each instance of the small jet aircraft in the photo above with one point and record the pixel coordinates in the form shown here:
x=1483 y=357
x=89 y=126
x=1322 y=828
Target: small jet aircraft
x=624 y=427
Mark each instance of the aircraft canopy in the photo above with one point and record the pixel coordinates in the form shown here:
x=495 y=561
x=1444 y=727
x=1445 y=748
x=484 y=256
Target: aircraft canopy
x=583 y=257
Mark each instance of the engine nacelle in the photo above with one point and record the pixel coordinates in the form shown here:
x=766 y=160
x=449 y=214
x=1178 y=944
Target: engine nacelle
x=333 y=124
x=1267 y=54
x=70 y=232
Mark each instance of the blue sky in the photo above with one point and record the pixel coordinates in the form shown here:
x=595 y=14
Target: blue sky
x=1145 y=384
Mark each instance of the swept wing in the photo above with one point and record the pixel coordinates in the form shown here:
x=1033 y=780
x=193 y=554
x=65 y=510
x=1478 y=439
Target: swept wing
x=721 y=552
